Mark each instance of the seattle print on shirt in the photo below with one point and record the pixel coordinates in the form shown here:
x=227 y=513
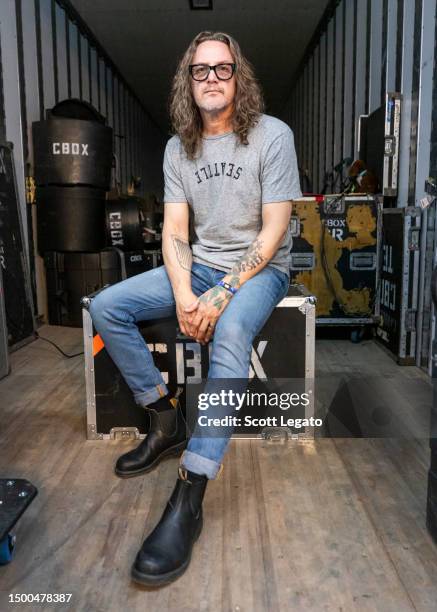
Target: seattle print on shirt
x=218 y=169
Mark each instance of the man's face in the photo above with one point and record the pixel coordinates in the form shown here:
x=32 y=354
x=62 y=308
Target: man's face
x=213 y=95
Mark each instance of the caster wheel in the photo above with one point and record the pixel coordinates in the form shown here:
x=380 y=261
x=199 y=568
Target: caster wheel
x=7 y=546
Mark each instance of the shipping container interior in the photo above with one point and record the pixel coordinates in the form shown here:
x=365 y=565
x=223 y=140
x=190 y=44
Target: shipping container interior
x=328 y=69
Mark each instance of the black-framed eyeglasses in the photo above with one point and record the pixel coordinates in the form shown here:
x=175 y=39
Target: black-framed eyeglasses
x=223 y=72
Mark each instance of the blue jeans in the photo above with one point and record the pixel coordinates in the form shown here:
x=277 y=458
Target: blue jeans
x=117 y=310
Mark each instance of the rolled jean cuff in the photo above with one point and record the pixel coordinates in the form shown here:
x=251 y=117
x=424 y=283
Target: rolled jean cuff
x=199 y=464
x=150 y=396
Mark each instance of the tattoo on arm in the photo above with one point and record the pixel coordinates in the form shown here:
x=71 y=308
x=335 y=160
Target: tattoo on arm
x=216 y=296
x=250 y=260
x=183 y=252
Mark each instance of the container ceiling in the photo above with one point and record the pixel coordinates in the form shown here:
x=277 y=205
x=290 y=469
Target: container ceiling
x=146 y=38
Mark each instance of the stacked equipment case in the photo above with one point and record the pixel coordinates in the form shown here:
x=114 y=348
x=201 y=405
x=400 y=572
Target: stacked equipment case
x=17 y=291
x=379 y=137
x=335 y=255
x=71 y=275
x=73 y=165
x=401 y=228
x=73 y=158
x=111 y=410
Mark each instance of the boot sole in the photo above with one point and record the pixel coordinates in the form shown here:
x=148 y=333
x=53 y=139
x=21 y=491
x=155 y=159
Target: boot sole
x=163 y=579
x=172 y=450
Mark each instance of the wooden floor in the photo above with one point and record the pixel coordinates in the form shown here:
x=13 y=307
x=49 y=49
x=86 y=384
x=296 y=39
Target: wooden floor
x=335 y=524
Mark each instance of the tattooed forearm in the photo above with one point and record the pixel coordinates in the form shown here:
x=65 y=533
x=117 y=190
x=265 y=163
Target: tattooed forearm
x=250 y=260
x=233 y=279
x=183 y=252
x=217 y=296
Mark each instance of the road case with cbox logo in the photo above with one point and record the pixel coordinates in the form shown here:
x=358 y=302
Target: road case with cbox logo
x=335 y=255
x=284 y=350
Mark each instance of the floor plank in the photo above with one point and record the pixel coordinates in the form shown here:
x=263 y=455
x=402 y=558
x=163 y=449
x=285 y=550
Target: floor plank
x=331 y=524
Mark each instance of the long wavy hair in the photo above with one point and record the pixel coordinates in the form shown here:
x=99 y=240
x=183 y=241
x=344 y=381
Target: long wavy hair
x=184 y=113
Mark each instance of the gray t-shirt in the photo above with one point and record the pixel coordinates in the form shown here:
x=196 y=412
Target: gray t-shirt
x=227 y=186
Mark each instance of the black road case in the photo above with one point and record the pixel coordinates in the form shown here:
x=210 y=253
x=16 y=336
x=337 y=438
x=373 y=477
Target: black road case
x=284 y=349
x=71 y=275
x=399 y=282
x=431 y=505
x=4 y=351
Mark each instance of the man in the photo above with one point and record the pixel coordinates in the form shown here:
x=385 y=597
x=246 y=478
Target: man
x=235 y=169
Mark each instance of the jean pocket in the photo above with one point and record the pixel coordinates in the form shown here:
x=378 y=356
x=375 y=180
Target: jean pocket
x=284 y=279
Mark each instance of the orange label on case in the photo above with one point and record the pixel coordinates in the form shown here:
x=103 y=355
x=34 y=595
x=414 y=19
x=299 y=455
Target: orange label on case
x=98 y=344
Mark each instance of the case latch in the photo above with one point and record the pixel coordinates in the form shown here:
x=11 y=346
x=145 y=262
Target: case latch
x=124 y=433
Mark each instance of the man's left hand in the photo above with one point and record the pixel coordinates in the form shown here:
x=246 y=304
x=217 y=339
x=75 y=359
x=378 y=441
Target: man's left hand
x=210 y=306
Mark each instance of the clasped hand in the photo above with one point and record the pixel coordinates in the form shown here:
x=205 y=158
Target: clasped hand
x=198 y=318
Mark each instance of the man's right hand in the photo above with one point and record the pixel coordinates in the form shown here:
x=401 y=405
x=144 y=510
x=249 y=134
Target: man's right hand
x=186 y=319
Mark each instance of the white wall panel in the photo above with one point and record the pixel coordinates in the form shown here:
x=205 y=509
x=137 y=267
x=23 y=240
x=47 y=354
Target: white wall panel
x=330 y=97
x=316 y=115
x=406 y=88
x=360 y=68
x=322 y=112
x=94 y=96
x=11 y=94
x=74 y=61
x=110 y=94
x=30 y=70
x=375 y=54
x=390 y=73
x=61 y=53
x=85 y=68
x=47 y=53
x=348 y=114
x=102 y=86
x=338 y=86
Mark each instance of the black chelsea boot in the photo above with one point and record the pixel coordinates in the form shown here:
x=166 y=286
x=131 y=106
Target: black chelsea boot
x=167 y=435
x=166 y=552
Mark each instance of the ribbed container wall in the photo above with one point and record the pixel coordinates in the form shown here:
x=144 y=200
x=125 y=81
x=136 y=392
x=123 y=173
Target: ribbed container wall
x=48 y=55
x=361 y=50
